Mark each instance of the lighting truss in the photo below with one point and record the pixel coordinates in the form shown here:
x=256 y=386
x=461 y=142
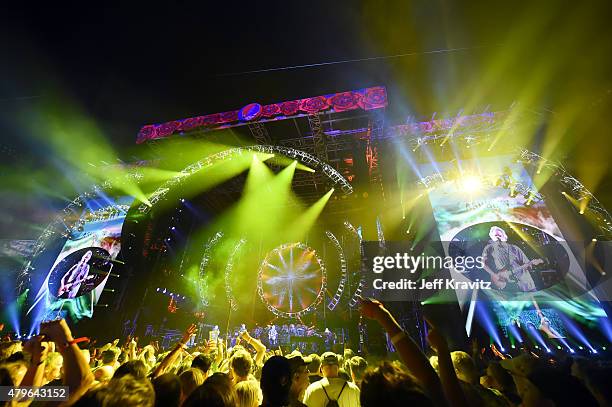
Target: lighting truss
x=229 y=268
x=374 y=134
x=318 y=136
x=469 y=129
x=260 y=133
x=576 y=189
x=380 y=233
x=355 y=298
x=343 y=271
x=212 y=242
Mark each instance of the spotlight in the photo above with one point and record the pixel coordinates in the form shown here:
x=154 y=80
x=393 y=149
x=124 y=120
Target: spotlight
x=581 y=211
x=580 y=347
x=572 y=350
x=173 y=228
x=182 y=199
x=513 y=346
x=164 y=291
x=603 y=348
x=548 y=350
x=502 y=349
x=594 y=350
x=594 y=239
x=471 y=183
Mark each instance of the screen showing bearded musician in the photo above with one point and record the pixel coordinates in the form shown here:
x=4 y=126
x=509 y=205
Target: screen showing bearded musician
x=79 y=273
x=76 y=275
x=507 y=264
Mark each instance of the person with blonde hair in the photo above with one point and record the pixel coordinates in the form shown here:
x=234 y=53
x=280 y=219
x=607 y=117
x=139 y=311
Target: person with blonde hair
x=249 y=393
x=190 y=379
x=53 y=367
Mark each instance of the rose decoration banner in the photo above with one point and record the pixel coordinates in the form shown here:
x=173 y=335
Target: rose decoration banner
x=365 y=99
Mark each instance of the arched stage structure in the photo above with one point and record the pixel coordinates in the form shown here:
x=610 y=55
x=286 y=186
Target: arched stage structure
x=234 y=254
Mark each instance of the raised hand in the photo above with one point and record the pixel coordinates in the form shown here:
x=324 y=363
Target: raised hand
x=371 y=308
x=57 y=331
x=437 y=341
x=191 y=330
x=37 y=348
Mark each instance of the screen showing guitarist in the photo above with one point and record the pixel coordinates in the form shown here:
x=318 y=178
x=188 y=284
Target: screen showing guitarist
x=75 y=276
x=506 y=262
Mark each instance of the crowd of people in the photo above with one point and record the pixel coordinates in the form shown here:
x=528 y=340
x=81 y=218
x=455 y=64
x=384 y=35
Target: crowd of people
x=248 y=374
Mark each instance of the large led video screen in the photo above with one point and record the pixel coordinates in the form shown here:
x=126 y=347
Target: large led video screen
x=76 y=280
x=490 y=207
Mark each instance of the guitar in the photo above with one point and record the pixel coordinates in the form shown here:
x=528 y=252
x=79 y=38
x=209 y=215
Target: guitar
x=501 y=278
x=64 y=288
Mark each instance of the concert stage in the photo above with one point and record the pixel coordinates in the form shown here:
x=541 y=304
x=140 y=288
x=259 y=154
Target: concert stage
x=268 y=218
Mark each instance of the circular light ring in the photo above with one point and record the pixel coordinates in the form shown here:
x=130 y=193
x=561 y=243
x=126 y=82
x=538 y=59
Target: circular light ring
x=575 y=188
x=343 y=271
x=305 y=158
x=319 y=295
x=212 y=242
x=229 y=268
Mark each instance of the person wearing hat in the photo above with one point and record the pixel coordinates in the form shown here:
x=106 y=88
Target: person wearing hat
x=299 y=378
x=331 y=389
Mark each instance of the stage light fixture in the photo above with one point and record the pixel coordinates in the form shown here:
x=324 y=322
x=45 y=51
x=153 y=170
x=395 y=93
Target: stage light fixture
x=594 y=239
x=471 y=183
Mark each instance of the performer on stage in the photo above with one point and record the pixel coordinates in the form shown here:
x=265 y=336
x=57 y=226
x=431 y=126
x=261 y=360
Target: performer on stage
x=273 y=336
x=506 y=262
x=75 y=276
